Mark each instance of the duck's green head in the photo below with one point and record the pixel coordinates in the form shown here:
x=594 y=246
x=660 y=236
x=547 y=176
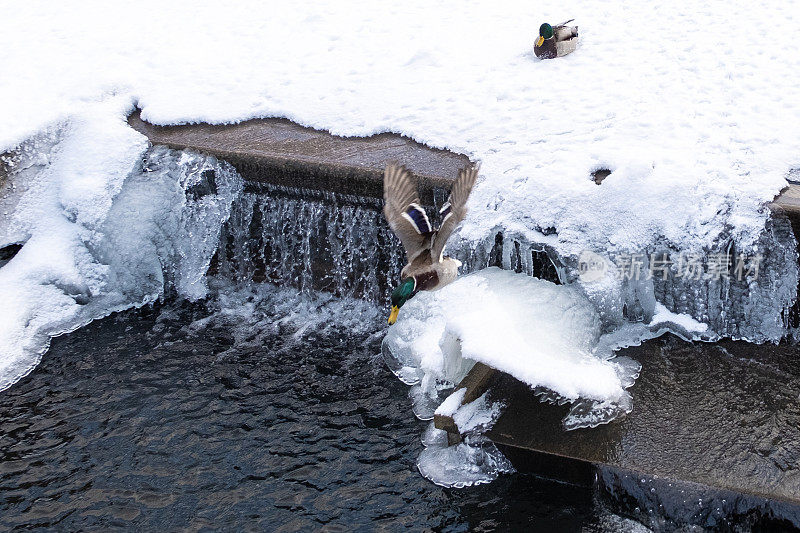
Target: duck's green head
x=545 y=32
x=400 y=296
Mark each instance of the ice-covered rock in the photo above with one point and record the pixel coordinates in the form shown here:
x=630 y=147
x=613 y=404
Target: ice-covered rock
x=541 y=333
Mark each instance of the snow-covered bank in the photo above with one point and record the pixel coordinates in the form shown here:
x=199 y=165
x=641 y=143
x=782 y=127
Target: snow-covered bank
x=671 y=98
x=106 y=225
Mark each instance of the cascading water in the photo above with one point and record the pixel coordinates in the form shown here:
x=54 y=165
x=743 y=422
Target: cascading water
x=342 y=244
x=311 y=240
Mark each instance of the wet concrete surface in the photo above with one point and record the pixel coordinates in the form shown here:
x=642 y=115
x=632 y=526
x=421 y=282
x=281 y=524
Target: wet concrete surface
x=282 y=152
x=724 y=415
x=788 y=201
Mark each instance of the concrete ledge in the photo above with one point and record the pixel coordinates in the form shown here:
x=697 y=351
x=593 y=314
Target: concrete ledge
x=788 y=201
x=725 y=416
x=280 y=152
x=788 y=204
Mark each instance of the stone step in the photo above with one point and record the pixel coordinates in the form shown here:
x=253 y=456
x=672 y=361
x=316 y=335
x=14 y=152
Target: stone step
x=723 y=415
x=281 y=152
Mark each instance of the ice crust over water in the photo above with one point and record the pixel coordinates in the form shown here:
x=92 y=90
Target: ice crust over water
x=105 y=225
x=473 y=462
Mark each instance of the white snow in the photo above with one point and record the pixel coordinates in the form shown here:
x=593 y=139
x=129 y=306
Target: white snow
x=451 y=404
x=698 y=120
x=664 y=316
x=58 y=216
x=477 y=416
x=539 y=332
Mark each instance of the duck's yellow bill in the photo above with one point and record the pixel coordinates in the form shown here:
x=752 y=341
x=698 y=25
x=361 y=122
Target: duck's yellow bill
x=393 y=315
x=539 y=41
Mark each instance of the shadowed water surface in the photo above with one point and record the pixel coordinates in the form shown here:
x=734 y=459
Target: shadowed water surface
x=259 y=409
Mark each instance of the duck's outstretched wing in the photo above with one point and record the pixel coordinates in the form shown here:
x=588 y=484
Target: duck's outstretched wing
x=454 y=211
x=403 y=211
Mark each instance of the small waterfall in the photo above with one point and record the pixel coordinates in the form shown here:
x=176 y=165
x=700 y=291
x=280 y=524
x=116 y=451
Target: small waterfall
x=341 y=244
x=311 y=240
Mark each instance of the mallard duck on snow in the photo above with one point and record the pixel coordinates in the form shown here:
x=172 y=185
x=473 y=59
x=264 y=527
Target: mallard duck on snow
x=427 y=269
x=556 y=41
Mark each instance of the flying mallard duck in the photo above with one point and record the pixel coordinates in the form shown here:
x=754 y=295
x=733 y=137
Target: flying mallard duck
x=556 y=41
x=427 y=268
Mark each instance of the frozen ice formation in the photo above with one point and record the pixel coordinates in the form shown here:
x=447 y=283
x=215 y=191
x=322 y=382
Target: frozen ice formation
x=546 y=335
x=106 y=226
x=475 y=460
x=541 y=333
x=731 y=301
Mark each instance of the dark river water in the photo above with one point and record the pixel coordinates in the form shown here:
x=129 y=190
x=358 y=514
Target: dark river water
x=259 y=410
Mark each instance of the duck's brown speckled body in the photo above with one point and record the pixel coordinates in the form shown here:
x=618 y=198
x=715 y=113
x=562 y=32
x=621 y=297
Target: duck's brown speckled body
x=556 y=41
x=428 y=268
